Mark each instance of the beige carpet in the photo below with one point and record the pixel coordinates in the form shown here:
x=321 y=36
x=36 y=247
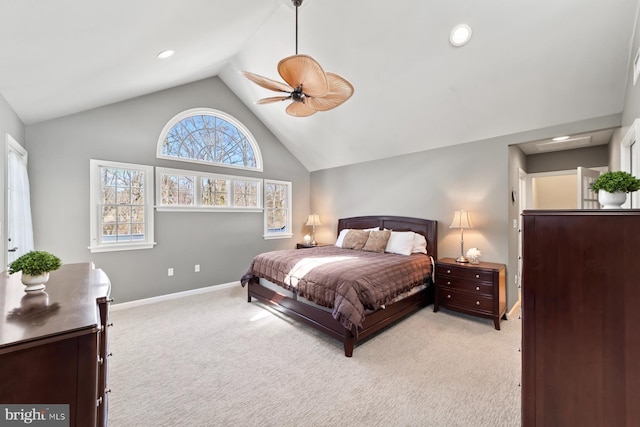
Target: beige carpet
x=215 y=360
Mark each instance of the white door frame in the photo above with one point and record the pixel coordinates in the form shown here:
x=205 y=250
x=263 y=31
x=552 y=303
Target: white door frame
x=10 y=145
x=630 y=159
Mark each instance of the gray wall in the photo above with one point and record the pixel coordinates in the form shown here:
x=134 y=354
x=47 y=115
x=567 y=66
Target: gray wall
x=477 y=176
x=223 y=243
x=10 y=124
x=589 y=157
x=430 y=184
x=631 y=109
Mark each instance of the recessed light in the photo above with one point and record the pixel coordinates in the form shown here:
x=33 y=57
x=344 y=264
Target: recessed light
x=560 y=138
x=166 y=53
x=460 y=35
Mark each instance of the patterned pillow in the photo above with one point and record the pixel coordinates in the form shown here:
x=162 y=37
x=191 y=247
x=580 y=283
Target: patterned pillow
x=377 y=241
x=355 y=239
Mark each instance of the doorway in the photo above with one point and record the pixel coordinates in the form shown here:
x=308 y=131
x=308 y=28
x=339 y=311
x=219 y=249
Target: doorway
x=19 y=238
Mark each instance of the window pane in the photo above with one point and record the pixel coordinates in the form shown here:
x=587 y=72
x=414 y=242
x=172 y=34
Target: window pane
x=277 y=220
x=108 y=214
x=124 y=232
x=123 y=196
x=214 y=192
x=245 y=193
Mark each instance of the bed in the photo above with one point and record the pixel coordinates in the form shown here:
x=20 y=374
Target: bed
x=336 y=310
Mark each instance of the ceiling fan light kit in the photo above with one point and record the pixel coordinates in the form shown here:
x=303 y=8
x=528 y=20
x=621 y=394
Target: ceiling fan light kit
x=308 y=86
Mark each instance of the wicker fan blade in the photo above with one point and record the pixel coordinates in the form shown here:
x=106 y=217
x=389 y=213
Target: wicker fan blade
x=339 y=91
x=304 y=70
x=299 y=109
x=272 y=99
x=267 y=83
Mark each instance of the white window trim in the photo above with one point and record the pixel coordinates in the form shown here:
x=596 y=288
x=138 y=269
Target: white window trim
x=209 y=112
x=197 y=197
x=95 y=212
x=288 y=235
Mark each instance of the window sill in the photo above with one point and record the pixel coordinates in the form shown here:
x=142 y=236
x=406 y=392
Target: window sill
x=121 y=247
x=203 y=209
x=278 y=236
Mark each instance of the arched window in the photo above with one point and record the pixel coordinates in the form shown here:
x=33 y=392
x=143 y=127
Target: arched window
x=205 y=135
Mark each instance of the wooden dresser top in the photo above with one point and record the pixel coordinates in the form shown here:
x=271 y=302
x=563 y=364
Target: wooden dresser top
x=67 y=305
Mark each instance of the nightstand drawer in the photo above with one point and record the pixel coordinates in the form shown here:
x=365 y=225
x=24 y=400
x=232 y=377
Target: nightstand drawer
x=464 y=300
x=464 y=273
x=466 y=285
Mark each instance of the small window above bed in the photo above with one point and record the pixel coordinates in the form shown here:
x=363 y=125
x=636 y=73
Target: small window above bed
x=277 y=209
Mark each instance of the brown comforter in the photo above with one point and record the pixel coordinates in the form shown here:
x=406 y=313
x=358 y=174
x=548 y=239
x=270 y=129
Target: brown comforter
x=349 y=281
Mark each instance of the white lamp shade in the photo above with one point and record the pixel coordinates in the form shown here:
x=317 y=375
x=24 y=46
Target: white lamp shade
x=313 y=220
x=461 y=219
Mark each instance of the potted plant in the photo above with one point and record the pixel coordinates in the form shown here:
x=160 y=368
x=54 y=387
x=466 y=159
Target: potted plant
x=612 y=188
x=35 y=267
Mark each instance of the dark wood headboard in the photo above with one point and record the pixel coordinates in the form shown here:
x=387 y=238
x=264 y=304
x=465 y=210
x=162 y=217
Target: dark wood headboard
x=427 y=227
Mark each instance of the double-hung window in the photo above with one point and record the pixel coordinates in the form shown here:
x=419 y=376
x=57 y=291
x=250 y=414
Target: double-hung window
x=277 y=209
x=121 y=208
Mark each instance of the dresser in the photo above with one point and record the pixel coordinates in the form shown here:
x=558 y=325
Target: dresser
x=476 y=289
x=54 y=343
x=581 y=311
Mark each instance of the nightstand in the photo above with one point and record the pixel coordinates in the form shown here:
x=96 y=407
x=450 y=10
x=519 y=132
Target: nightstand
x=305 y=245
x=476 y=289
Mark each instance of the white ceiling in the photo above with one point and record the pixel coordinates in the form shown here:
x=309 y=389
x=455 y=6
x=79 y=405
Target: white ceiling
x=529 y=65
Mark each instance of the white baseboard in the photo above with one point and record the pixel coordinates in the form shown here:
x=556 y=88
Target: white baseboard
x=514 y=310
x=145 y=301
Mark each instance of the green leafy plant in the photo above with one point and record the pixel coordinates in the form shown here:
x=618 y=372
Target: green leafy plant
x=616 y=181
x=35 y=263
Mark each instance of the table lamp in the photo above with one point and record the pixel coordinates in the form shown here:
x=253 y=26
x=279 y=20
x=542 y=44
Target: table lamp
x=313 y=220
x=461 y=220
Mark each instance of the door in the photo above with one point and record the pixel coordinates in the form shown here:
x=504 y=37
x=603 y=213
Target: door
x=633 y=201
x=18 y=214
x=587 y=199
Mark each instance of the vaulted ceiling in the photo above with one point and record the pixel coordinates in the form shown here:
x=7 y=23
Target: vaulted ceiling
x=529 y=64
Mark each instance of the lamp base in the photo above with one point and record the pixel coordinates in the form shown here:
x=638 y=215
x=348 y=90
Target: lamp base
x=462 y=259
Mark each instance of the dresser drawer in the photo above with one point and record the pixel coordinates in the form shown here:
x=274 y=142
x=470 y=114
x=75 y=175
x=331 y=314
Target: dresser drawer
x=475 y=287
x=464 y=300
x=464 y=273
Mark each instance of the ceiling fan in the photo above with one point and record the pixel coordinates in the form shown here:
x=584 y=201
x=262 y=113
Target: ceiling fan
x=308 y=86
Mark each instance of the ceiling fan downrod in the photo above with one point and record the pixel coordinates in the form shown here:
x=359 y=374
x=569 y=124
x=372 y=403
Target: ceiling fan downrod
x=297 y=4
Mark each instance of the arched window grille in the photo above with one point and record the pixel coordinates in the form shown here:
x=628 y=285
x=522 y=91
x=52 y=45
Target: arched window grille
x=208 y=136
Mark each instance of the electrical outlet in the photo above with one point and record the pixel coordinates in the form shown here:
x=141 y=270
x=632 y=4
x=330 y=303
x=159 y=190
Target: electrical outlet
x=197 y=268
x=170 y=272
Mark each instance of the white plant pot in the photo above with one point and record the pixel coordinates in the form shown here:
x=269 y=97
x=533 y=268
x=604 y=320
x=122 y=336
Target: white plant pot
x=34 y=283
x=611 y=200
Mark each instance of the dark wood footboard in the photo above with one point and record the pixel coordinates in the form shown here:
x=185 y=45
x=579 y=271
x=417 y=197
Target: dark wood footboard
x=324 y=321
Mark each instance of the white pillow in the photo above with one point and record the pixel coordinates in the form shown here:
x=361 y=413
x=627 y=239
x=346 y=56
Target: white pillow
x=400 y=242
x=419 y=244
x=344 y=232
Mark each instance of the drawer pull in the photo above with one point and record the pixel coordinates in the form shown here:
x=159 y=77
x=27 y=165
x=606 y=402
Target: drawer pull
x=100 y=360
x=110 y=324
x=448 y=283
x=107 y=390
x=449 y=296
x=99 y=401
x=477 y=302
x=448 y=271
x=477 y=276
